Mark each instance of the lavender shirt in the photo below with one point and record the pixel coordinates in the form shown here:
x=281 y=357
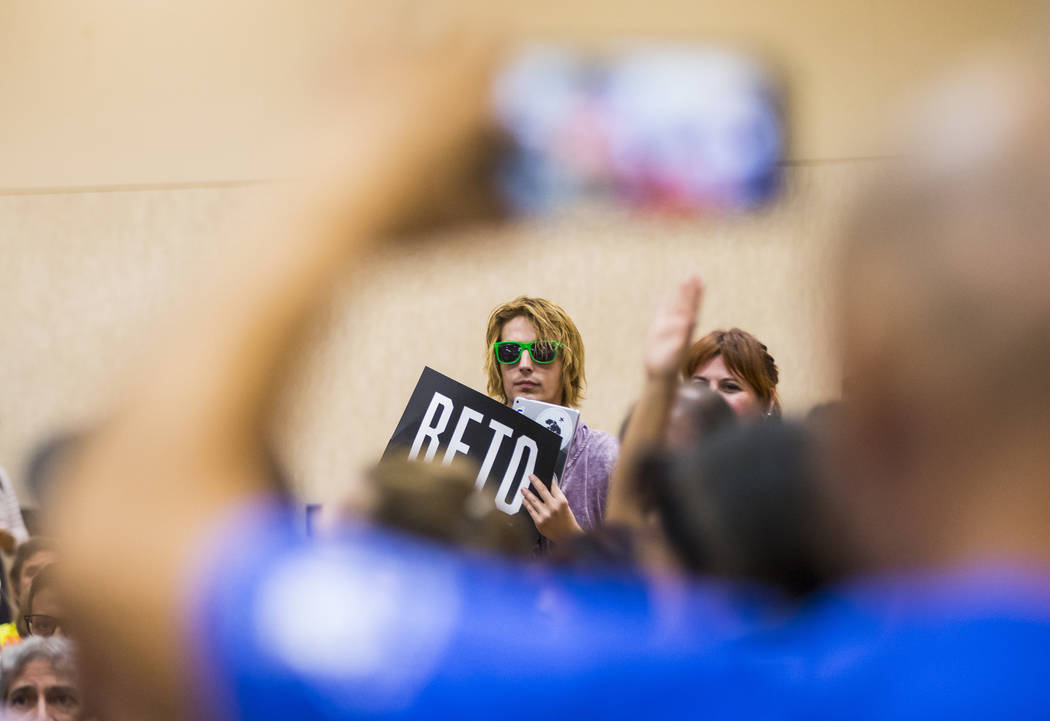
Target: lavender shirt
x=585 y=481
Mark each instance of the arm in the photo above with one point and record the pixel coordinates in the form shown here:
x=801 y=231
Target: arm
x=183 y=447
x=668 y=337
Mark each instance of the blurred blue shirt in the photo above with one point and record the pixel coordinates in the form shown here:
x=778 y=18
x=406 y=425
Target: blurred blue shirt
x=377 y=625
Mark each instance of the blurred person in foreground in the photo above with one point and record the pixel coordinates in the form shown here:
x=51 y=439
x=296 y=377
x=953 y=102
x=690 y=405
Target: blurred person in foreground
x=441 y=503
x=535 y=351
x=699 y=486
x=746 y=505
x=45 y=610
x=38 y=681
x=647 y=427
x=668 y=413
x=942 y=484
x=30 y=559
x=635 y=535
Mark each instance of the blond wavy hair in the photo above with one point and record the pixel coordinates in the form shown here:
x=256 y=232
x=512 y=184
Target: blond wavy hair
x=551 y=323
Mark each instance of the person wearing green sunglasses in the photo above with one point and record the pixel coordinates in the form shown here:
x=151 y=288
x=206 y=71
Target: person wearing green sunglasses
x=535 y=351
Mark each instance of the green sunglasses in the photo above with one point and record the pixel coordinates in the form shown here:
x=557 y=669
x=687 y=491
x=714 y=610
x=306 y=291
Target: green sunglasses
x=509 y=352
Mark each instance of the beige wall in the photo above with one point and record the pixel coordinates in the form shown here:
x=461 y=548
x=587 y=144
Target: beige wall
x=103 y=264
x=117 y=92
x=431 y=306
x=129 y=131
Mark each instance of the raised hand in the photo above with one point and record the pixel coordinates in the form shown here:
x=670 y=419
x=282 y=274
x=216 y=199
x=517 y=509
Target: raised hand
x=665 y=343
x=671 y=330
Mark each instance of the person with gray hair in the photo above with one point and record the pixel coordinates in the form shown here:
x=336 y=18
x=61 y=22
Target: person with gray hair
x=38 y=680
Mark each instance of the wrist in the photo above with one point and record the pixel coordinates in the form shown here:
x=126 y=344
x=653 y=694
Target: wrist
x=661 y=377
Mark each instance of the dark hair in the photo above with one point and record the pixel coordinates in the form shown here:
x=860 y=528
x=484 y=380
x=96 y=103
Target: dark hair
x=745 y=505
x=47 y=578
x=441 y=503
x=697 y=415
x=45 y=459
x=745 y=356
x=25 y=551
x=610 y=546
x=825 y=414
x=701 y=412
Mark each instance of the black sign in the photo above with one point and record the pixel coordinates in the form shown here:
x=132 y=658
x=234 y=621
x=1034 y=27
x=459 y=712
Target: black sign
x=445 y=419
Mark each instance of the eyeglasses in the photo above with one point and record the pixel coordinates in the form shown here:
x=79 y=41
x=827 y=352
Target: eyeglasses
x=509 y=352
x=40 y=624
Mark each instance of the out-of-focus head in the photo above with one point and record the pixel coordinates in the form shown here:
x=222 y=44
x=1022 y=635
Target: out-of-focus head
x=607 y=547
x=30 y=558
x=945 y=318
x=441 y=503
x=38 y=680
x=45 y=611
x=739 y=367
x=746 y=504
x=533 y=374
x=697 y=414
x=46 y=461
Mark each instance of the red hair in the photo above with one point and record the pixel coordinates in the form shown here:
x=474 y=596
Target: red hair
x=745 y=357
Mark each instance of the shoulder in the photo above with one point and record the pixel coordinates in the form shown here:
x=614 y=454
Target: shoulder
x=596 y=446
x=603 y=441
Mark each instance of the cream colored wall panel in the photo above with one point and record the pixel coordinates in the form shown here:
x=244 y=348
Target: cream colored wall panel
x=845 y=61
x=87 y=274
x=84 y=276
x=429 y=305
x=118 y=92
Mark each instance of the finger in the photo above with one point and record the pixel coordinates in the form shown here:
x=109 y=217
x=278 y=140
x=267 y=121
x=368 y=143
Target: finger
x=538 y=514
x=687 y=306
x=528 y=499
x=533 y=513
x=541 y=490
x=538 y=508
x=535 y=503
x=687 y=300
x=694 y=294
x=556 y=491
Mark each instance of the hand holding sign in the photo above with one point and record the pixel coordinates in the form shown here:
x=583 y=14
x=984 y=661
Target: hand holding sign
x=550 y=511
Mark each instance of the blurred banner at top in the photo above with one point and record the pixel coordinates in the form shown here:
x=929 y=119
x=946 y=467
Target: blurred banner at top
x=681 y=129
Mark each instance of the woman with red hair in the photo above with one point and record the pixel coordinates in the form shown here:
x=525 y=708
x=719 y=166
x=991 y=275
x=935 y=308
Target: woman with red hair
x=738 y=366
